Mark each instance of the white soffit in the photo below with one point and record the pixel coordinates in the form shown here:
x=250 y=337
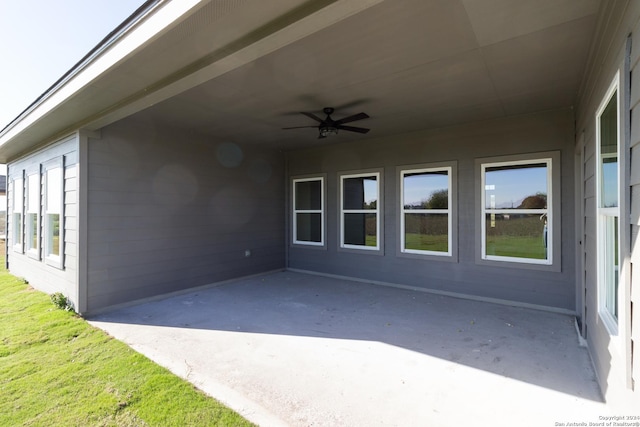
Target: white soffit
x=411 y=65
x=494 y=21
x=191 y=77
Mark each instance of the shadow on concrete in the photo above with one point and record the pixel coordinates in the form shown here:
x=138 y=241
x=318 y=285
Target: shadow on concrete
x=531 y=346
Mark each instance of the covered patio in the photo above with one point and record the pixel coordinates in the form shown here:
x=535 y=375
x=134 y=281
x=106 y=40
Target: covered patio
x=192 y=147
x=295 y=349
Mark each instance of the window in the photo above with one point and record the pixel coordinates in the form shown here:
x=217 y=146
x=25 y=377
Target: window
x=517 y=216
x=426 y=207
x=53 y=218
x=32 y=223
x=17 y=207
x=308 y=211
x=608 y=188
x=360 y=211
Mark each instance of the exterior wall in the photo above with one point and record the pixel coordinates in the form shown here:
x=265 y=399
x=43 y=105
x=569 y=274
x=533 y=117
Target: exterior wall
x=3 y=204
x=35 y=270
x=463 y=274
x=633 y=292
x=169 y=210
x=612 y=355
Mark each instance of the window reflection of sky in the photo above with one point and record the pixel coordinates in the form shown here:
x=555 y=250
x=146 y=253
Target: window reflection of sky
x=370 y=190
x=609 y=184
x=420 y=187
x=54 y=194
x=512 y=186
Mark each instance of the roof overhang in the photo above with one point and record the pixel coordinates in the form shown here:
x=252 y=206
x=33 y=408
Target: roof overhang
x=239 y=69
x=148 y=63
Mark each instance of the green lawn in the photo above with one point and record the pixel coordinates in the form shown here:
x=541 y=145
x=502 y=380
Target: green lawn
x=57 y=370
x=516 y=246
x=370 y=240
x=423 y=242
x=519 y=236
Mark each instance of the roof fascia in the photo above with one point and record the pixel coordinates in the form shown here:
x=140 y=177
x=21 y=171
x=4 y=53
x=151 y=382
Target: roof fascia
x=313 y=16
x=268 y=40
x=154 y=22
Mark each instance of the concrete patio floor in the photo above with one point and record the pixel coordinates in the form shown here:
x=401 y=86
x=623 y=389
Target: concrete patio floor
x=294 y=349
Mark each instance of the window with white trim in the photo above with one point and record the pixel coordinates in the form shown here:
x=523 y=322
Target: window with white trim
x=426 y=206
x=517 y=216
x=17 y=209
x=360 y=211
x=53 y=214
x=308 y=211
x=608 y=207
x=32 y=221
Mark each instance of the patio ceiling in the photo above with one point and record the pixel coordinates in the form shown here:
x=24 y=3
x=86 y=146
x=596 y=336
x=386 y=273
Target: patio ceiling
x=244 y=69
x=410 y=65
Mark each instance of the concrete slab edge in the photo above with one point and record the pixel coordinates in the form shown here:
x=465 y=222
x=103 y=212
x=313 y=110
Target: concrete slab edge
x=252 y=411
x=443 y=293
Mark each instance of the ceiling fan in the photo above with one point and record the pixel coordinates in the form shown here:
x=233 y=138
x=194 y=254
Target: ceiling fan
x=329 y=126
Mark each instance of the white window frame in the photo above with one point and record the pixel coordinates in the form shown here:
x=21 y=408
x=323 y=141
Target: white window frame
x=33 y=206
x=548 y=211
x=449 y=211
x=51 y=258
x=320 y=211
x=604 y=214
x=17 y=209
x=378 y=212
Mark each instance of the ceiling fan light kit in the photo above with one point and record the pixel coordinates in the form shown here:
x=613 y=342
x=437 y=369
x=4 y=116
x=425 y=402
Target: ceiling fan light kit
x=328 y=126
x=327 y=130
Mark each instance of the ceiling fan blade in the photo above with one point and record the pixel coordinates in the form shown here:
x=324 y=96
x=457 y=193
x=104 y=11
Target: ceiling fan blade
x=353 y=118
x=353 y=129
x=312 y=116
x=301 y=127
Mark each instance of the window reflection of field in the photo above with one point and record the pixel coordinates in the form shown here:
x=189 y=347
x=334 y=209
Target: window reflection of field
x=371 y=231
x=426 y=232
x=519 y=236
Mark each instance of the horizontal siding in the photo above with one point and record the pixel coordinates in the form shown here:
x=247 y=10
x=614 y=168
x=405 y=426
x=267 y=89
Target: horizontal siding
x=608 y=57
x=36 y=271
x=633 y=306
x=634 y=176
x=168 y=216
x=635 y=126
x=635 y=205
x=530 y=134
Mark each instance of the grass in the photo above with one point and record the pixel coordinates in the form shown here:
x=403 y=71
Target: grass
x=521 y=236
x=423 y=242
x=371 y=240
x=516 y=246
x=57 y=370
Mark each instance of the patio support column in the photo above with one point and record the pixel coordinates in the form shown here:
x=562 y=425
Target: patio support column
x=83 y=210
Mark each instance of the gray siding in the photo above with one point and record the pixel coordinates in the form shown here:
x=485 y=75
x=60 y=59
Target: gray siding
x=169 y=210
x=39 y=274
x=612 y=354
x=505 y=281
x=634 y=182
